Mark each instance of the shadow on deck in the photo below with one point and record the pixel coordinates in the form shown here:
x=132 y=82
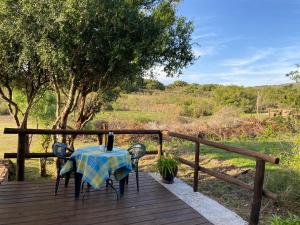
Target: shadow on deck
x=35 y=203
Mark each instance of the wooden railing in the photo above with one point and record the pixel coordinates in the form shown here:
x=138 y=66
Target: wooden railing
x=261 y=158
x=21 y=154
x=257 y=189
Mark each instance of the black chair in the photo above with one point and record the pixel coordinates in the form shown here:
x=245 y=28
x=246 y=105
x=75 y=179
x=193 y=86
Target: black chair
x=60 y=150
x=136 y=151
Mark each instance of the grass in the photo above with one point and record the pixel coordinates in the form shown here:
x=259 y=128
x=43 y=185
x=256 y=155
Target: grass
x=290 y=220
x=132 y=116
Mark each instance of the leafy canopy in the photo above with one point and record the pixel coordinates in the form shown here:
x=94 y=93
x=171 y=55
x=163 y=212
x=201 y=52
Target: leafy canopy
x=89 y=47
x=105 y=43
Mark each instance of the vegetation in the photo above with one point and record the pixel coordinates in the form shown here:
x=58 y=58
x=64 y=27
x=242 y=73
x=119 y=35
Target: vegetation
x=295 y=74
x=290 y=220
x=167 y=167
x=86 y=52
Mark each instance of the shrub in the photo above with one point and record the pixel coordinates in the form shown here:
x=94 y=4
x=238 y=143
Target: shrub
x=196 y=109
x=177 y=83
x=236 y=96
x=153 y=85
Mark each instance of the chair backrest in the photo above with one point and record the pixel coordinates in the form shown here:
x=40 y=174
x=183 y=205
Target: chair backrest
x=59 y=149
x=137 y=151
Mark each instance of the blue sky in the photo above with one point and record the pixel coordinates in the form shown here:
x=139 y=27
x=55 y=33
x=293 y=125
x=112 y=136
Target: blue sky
x=242 y=42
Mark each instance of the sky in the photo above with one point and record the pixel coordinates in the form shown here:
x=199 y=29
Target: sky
x=242 y=42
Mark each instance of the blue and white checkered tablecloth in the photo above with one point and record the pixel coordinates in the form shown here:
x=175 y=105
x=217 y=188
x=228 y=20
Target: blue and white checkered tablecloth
x=96 y=165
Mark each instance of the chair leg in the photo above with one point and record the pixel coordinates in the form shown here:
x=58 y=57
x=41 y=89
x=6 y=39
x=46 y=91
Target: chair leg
x=78 y=178
x=137 y=177
x=82 y=187
x=67 y=179
x=110 y=183
x=57 y=183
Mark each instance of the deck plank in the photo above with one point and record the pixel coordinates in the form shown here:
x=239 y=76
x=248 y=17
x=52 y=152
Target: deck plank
x=34 y=203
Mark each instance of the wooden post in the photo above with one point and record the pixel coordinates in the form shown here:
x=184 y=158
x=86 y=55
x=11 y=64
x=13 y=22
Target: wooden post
x=258 y=192
x=21 y=156
x=100 y=139
x=105 y=127
x=196 y=166
x=160 y=145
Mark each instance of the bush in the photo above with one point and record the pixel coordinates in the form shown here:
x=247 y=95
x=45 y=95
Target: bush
x=240 y=97
x=196 y=109
x=177 y=83
x=153 y=85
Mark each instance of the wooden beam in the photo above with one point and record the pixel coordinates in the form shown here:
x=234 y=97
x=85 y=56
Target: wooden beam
x=181 y=136
x=47 y=155
x=229 y=179
x=229 y=148
x=76 y=132
x=258 y=192
x=241 y=151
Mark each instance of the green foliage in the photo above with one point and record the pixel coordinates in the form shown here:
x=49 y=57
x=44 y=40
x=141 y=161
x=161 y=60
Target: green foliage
x=295 y=74
x=167 y=165
x=236 y=96
x=285 y=182
x=196 y=89
x=130 y=36
x=290 y=220
x=153 y=85
x=44 y=110
x=89 y=47
x=285 y=96
x=177 y=83
x=196 y=109
x=269 y=132
x=135 y=86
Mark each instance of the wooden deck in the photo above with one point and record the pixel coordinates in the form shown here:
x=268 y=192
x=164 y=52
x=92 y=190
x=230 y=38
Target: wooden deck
x=34 y=203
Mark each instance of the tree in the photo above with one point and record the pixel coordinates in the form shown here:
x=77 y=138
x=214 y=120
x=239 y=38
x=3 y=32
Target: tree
x=96 y=47
x=19 y=61
x=295 y=74
x=22 y=79
x=88 y=49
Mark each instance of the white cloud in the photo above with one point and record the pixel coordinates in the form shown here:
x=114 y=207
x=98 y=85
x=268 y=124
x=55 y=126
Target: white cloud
x=205 y=35
x=204 y=51
x=263 y=67
x=261 y=54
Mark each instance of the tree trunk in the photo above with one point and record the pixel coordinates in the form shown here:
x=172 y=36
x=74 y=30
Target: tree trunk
x=63 y=121
x=43 y=164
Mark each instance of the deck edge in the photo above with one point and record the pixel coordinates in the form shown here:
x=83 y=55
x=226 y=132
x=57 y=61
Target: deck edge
x=213 y=211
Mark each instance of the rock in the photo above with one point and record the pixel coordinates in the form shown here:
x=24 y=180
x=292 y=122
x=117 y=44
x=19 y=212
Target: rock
x=7 y=170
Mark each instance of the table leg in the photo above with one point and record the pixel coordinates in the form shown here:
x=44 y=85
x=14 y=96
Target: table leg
x=122 y=186
x=78 y=177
